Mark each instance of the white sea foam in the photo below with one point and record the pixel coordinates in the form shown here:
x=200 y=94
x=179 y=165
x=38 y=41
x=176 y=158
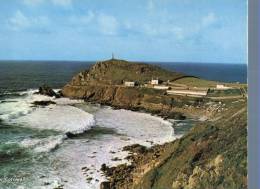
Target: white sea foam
x=13 y=109
x=139 y=126
x=92 y=154
x=43 y=144
x=61 y=117
x=134 y=128
x=73 y=154
x=18 y=106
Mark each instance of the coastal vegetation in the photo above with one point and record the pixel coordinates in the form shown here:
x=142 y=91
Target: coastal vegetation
x=211 y=155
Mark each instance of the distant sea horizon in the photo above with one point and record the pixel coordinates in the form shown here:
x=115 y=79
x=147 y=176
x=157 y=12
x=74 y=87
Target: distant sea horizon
x=25 y=74
x=137 y=61
x=34 y=144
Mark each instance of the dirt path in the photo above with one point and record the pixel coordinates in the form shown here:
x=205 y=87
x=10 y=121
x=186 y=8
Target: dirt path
x=226 y=97
x=238 y=112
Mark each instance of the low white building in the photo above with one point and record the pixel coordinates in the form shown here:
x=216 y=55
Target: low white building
x=155 y=81
x=188 y=92
x=161 y=87
x=129 y=83
x=221 y=86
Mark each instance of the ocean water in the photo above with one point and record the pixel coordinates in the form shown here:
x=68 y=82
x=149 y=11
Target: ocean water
x=23 y=75
x=35 y=150
x=211 y=71
x=35 y=147
x=17 y=75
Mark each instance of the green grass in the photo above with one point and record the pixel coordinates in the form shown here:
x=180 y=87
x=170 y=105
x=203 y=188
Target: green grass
x=193 y=163
x=228 y=92
x=196 y=82
x=118 y=71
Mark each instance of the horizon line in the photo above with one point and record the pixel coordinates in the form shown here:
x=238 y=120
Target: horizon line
x=140 y=61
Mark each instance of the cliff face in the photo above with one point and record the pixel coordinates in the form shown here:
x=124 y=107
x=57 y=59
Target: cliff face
x=212 y=155
x=103 y=83
x=133 y=98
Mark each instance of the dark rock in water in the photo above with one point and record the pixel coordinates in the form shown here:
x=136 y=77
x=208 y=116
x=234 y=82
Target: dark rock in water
x=70 y=135
x=46 y=183
x=105 y=185
x=48 y=91
x=116 y=159
x=175 y=115
x=59 y=93
x=6 y=101
x=104 y=167
x=43 y=103
x=89 y=179
x=135 y=148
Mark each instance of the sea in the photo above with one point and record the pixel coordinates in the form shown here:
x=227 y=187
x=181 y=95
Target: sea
x=65 y=144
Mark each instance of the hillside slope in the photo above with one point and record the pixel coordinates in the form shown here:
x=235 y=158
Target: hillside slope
x=103 y=83
x=212 y=155
x=116 y=71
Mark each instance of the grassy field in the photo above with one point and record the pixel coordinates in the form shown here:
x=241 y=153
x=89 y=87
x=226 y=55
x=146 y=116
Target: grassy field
x=197 y=82
x=228 y=92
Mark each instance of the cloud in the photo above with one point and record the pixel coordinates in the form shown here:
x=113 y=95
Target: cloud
x=178 y=32
x=96 y=23
x=150 y=5
x=195 y=32
x=108 y=24
x=162 y=30
x=165 y=26
x=33 y=2
x=128 y=25
x=209 y=19
x=84 y=19
x=64 y=3
x=19 y=21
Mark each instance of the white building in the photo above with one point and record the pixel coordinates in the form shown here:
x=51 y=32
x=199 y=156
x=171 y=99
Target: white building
x=221 y=86
x=161 y=87
x=129 y=83
x=155 y=81
x=188 y=92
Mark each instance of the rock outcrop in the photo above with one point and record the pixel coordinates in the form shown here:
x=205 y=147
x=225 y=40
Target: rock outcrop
x=115 y=72
x=48 y=91
x=212 y=155
x=103 y=83
x=43 y=103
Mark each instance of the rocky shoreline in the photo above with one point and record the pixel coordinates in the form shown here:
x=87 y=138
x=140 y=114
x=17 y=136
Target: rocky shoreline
x=202 y=166
x=139 y=99
x=211 y=155
x=123 y=174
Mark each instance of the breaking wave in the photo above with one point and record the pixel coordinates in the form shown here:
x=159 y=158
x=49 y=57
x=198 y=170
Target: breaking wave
x=60 y=117
x=44 y=144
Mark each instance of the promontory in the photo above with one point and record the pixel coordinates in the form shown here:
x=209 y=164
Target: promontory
x=211 y=155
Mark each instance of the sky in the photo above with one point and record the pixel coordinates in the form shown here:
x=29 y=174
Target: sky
x=143 y=30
